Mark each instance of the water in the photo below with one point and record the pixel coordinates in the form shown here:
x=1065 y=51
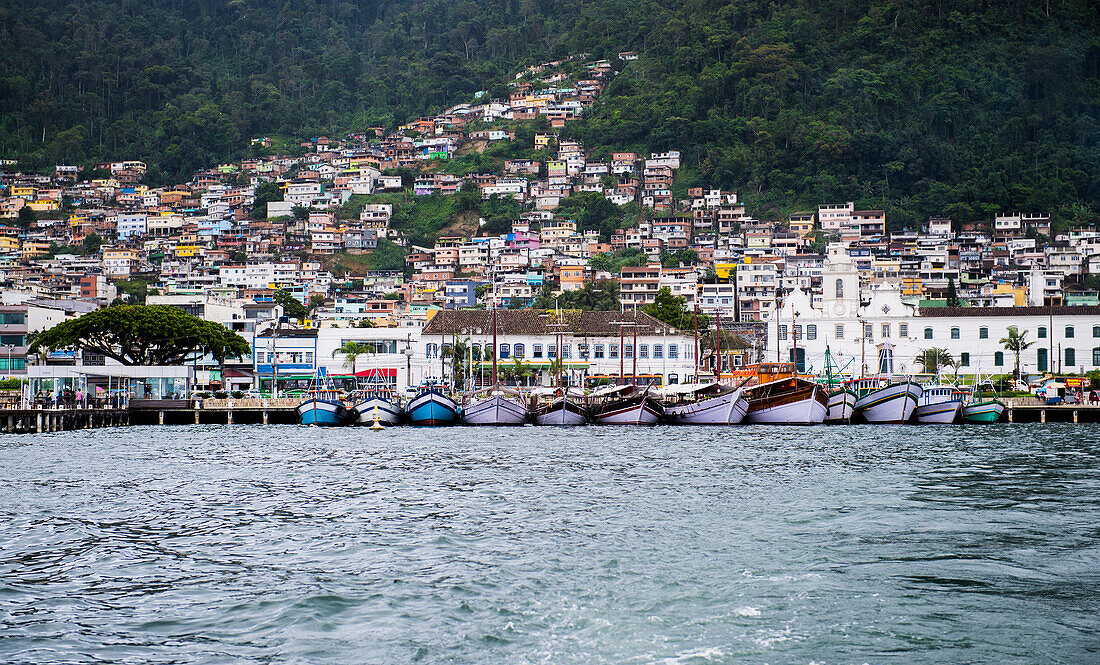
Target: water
x=540 y=545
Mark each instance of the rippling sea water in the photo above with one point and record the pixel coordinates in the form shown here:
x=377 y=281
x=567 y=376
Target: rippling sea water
x=862 y=544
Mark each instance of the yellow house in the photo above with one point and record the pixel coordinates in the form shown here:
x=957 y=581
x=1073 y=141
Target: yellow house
x=543 y=140
x=911 y=286
x=187 y=251
x=24 y=192
x=9 y=245
x=43 y=204
x=35 y=249
x=77 y=220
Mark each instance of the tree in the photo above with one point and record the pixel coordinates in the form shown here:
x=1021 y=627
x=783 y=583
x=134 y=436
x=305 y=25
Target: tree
x=26 y=217
x=387 y=256
x=292 y=307
x=952 y=294
x=932 y=360
x=1015 y=343
x=671 y=310
x=92 y=243
x=684 y=256
x=265 y=193
x=351 y=351
x=143 y=335
x=315 y=301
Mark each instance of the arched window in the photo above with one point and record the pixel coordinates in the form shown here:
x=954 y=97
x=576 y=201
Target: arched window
x=928 y=333
x=839 y=288
x=999 y=358
x=983 y=333
x=1071 y=357
x=811 y=331
x=954 y=333
x=1096 y=357
x=518 y=350
x=1096 y=331
x=1069 y=332
x=504 y=351
x=1042 y=332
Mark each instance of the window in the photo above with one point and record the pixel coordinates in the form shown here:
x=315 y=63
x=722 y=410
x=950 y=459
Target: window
x=309 y=357
x=782 y=332
x=1071 y=358
x=903 y=330
x=13 y=318
x=673 y=379
x=16 y=363
x=566 y=350
x=983 y=333
x=811 y=331
x=612 y=350
x=536 y=350
x=14 y=340
x=1041 y=359
x=428 y=348
x=518 y=351
x=582 y=351
x=1096 y=357
x=599 y=351
x=504 y=351
x=1069 y=332
x=928 y=333
x=673 y=352
x=628 y=350
x=868 y=330
x=1096 y=331
x=839 y=288
x=964 y=360
x=954 y=333
x=1042 y=332
x=551 y=351
x=885 y=330
x=999 y=358
x=839 y=332
x=643 y=350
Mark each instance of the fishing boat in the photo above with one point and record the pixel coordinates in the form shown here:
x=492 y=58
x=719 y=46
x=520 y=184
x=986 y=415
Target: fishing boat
x=431 y=407
x=704 y=404
x=376 y=405
x=884 y=401
x=787 y=401
x=322 y=404
x=842 y=400
x=842 y=404
x=558 y=408
x=497 y=407
x=939 y=404
x=626 y=405
x=979 y=410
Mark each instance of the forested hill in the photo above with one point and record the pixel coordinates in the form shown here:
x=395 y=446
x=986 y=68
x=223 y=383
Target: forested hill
x=953 y=107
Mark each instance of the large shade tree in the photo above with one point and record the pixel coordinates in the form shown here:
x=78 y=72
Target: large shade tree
x=143 y=335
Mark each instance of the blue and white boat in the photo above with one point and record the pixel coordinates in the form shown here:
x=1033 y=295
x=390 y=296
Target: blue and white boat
x=432 y=408
x=376 y=406
x=939 y=404
x=322 y=404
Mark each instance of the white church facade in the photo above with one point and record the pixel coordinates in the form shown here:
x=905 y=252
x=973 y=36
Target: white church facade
x=1066 y=340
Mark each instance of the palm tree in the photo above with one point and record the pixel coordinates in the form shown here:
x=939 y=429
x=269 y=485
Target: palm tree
x=932 y=360
x=1015 y=342
x=351 y=351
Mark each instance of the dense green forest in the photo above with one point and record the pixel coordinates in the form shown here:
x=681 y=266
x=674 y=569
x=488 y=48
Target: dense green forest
x=953 y=107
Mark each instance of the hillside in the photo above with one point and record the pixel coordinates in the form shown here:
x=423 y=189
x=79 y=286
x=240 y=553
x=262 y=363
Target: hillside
x=949 y=108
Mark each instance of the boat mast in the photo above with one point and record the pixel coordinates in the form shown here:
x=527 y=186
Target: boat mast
x=718 y=346
x=634 y=356
x=494 y=349
x=622 y=349
x=696 y=352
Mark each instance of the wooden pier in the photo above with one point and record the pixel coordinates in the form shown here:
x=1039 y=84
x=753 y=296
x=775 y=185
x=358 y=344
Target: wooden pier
x=1030 y=410
x=38 y=421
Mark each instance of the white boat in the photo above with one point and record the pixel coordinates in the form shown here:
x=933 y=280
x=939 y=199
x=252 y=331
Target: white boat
x=377 y=409
x=842 y=404
x=790 y=401
x=558 y=407
x=495 y=409
x=704 y=404
x=627 y=405
x=939 y=404
x=882 y=401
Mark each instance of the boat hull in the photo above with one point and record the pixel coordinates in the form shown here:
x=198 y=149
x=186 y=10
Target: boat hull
x=893 y=404
x=376 y=408
x=495 y=410
x=560 y=412
x=432 y=409
x=642 y=410
x=322 y=412
x=940 y=413
x=727 y=409
x=842 y=404
x=806 y=405
x=988 y=411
